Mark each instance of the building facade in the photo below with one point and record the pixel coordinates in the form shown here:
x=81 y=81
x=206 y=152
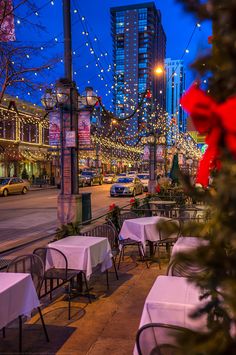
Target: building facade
x=175 y=87
x=24 y=140
x=25 y=151
x=139 y=46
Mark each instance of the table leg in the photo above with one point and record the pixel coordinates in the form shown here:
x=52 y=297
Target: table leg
x=152 y=257
x=20 y=334
x=78 y=289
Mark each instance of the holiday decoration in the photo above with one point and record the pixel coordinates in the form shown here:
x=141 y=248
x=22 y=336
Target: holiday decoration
x=215 y=259
x=217 y=122
x=7 y=28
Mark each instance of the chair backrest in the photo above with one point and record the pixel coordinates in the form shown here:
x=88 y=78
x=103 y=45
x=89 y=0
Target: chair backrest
x=144 y=210
x=158 y=339
x=184 y=269
x=126 y=215
x=30 y=264
x=52 y=259
x=188 y=214
x=104 y=231
x=169 y=228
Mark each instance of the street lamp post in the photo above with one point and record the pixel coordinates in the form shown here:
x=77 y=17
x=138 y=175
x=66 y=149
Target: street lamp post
x=153 y=140
x=66 y=99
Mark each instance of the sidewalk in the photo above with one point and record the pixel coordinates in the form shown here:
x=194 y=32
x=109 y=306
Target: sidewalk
x=42 y=187
x=107 y=326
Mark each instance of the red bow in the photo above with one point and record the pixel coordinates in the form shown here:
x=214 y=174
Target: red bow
x=215 y=120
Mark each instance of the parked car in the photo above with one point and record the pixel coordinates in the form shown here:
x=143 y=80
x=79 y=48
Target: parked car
x=132 y=173
x=92 y=177
x=108 y=178
x=82 y=181
x=13 y=185
x=126 y=186
x=144 y=180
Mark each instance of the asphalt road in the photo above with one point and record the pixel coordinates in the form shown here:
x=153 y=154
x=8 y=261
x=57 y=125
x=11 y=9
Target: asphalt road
x=27 y=217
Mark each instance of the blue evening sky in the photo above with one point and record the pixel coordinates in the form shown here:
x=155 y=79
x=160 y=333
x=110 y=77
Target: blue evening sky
x=92 y=43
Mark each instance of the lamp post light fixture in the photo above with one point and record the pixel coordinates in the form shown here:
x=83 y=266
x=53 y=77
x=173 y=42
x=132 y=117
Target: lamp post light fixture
x=60 y=99
x=88 y=99
x=49 y=99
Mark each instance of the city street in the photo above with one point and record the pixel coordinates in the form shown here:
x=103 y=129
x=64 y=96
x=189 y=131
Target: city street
x=27 y=217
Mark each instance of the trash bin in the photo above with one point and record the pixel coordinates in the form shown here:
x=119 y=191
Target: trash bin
x=86 y=206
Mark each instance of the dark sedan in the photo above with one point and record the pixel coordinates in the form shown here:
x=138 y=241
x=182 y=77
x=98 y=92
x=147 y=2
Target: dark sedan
x=92 y=177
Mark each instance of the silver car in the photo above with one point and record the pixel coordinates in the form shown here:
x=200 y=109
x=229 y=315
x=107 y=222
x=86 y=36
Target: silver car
x=126 y=186
x=108 y=178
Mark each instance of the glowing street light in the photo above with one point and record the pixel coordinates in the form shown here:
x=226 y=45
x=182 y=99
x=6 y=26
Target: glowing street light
x=158 y=70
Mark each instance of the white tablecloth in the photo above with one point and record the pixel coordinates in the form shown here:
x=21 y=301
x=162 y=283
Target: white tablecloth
x=17 y=296
x=185 y=244
x=171 y=300
x=141 y=229
x=83 y=253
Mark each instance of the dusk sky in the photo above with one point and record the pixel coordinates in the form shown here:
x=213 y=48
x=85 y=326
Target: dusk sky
x=96 y=47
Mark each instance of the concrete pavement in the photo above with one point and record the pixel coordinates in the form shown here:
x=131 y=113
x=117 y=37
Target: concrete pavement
x=107 y=326
x=24 y=218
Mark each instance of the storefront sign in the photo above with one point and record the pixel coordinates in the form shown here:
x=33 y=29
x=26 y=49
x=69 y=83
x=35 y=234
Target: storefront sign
x=84 y=128
x=54 y=128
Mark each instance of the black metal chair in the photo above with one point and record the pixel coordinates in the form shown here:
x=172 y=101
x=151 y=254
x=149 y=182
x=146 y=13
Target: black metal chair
x=109 y=232
x=166 y=237
x=4 y=263
x=31 y=264
x=129 y=241
x=158 y=339
x=59 y=273
x=184 y=269
x=143 y=210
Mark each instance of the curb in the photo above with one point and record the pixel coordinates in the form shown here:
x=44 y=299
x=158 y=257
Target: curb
x=43 y=188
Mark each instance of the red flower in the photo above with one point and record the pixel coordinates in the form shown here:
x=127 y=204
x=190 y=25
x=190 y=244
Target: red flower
x=132 y=201
x=112 y=207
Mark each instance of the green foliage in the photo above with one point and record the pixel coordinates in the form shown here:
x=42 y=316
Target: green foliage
x=113 y=215
x=221 y=61
x=135 y=203
x=67 y=230
x=174 y=172
x=218 y=257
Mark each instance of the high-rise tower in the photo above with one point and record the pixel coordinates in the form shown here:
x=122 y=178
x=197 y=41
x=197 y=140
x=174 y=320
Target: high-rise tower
x=139 y=45
x=175 y=87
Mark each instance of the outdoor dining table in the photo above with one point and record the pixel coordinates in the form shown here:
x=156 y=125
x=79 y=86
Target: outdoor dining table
x=83 y=253
x=185 y=244
x=171 y=300
x=18 y=296
x=141 y=229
